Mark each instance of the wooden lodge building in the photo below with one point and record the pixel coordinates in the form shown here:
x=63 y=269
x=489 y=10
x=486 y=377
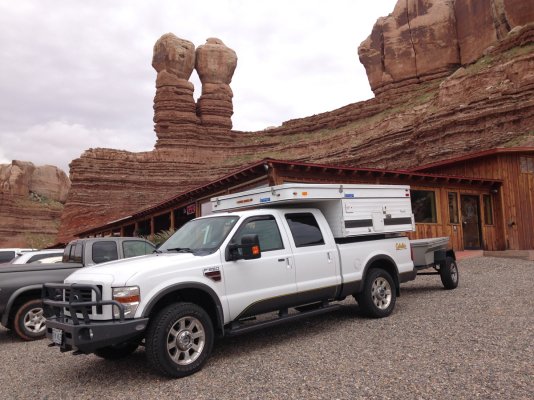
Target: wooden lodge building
x=483 y=200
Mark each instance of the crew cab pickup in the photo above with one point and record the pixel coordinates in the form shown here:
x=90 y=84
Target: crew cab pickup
x=21 y=284
x=267 y=256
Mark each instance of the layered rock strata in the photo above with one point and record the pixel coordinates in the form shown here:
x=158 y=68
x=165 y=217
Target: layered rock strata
x=31 y=203
x=481 y=105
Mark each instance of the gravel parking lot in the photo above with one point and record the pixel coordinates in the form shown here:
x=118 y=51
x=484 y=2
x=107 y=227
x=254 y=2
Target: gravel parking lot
x=473 y=342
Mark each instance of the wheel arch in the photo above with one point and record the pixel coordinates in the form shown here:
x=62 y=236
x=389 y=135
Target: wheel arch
x=192 y=292
x=18 y=296
x=386 y=263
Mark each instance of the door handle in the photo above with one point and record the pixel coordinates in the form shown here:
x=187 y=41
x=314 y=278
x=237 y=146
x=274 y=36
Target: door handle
x=281 y=259
x=329 y=257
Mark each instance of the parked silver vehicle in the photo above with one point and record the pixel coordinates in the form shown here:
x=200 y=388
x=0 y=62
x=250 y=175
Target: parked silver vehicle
x=50 y=256
x=7 y=255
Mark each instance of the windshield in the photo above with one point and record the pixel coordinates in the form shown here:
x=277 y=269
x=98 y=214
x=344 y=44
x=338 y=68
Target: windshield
x=200 y=235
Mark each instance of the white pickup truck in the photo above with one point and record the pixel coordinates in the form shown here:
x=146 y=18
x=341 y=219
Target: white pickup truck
x=291 y=253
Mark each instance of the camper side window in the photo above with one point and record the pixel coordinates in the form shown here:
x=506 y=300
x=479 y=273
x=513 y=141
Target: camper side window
x=305 y=229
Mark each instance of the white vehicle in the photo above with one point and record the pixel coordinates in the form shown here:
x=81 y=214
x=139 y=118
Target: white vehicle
x=39 y=257
x=7 y=255
x=305 y=248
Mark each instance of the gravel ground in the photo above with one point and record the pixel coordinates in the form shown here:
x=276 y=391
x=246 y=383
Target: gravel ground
x=473 y=342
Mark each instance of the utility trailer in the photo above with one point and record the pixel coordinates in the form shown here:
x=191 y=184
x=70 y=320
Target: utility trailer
x=434 y=254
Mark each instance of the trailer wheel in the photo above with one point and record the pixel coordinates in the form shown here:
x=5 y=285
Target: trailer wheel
x=29 y=321
x=179 y=340
x=448 y=272
x=116 y=352
x=378 y=297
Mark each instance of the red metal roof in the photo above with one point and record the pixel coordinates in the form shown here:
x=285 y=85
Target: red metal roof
x=472 y=156
x=258 y=168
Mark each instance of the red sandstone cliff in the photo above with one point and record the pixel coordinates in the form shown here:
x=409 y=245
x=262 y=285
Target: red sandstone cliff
x=31 y=203
x=451 y=77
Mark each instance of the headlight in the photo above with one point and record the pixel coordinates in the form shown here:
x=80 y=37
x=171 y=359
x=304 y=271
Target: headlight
x=129 y=297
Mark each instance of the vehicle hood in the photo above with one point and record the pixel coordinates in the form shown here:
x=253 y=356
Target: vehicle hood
x=119 y=272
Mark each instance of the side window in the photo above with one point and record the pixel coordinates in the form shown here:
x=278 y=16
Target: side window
x=76 y=254
x=6 y=256
x=104 y=251
x=134 y=248
x=67 y=253
x=305 y=229
x=267 y=230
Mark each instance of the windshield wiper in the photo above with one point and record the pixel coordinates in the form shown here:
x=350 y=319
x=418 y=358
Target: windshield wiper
x=181 y=250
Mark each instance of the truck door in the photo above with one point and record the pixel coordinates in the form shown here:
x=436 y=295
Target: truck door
x=315 y=256
x=263 y=284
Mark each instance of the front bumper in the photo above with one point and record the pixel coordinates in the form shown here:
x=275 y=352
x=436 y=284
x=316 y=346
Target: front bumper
x=68 y=323
x=88 y=337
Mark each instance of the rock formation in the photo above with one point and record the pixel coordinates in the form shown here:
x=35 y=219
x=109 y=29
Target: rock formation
x=31 y=203
x=215 y=65
x=174 y=105
x=428 y=39
x=432 y=104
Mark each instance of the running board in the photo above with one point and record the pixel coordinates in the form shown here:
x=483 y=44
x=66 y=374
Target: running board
x=238 y=330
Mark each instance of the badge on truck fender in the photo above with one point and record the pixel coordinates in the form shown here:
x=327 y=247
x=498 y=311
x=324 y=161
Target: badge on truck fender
x=400 y=246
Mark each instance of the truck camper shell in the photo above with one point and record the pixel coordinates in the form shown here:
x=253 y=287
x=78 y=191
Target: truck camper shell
x=350 y=210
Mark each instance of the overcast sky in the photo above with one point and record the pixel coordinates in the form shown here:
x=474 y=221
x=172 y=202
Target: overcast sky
x=77 y=74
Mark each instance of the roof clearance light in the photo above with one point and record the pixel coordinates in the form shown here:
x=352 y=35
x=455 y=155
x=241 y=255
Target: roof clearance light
x=295 y=193
x=304 y=193
x=244 y=201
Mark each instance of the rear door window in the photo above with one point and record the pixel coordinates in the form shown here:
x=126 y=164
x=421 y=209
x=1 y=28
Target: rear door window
x=104 y=251
x=305 y=229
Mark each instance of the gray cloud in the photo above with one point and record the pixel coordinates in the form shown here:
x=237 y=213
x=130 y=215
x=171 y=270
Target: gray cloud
x=77 y=74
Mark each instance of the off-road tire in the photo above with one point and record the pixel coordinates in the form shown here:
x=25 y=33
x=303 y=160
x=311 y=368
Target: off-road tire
x=116 y=352
x=179 y=339
x=29 y=322
x=448 y=273
x=378 y=297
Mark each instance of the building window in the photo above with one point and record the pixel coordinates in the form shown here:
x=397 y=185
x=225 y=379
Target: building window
x=488 y=210
x=424 y=206
x=527 y=165
x=453 y=208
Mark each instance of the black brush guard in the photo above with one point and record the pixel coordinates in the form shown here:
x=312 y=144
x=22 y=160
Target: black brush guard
x=82 y=333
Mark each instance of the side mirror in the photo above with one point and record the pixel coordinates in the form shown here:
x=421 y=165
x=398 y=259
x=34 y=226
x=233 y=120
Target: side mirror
x=250 y=249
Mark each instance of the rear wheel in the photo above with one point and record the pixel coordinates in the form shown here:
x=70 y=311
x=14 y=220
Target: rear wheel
x=179 y=339
x=29 y=321
x=448 y=273
x=378 y=297
x=117 y=351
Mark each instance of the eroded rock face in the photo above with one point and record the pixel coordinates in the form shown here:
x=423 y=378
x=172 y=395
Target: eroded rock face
x=428 y=39
x=31 y=203
x=215 y=64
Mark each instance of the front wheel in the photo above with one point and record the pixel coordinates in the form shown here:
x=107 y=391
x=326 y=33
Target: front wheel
x=179 y=340
x=448 y=273
x=29 y=321
x=378 y=297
